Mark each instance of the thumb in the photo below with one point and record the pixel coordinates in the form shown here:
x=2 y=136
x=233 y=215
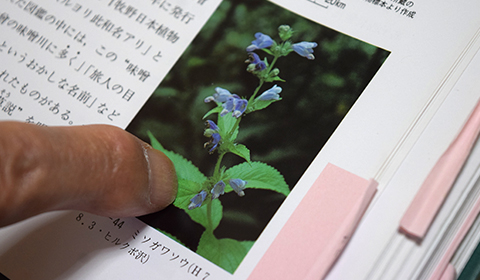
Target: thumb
x=96 y=168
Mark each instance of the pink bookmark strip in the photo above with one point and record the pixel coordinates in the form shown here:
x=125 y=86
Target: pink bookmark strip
x=452 y=248
x=319 y=228
x=424 y=207
x=449 y=273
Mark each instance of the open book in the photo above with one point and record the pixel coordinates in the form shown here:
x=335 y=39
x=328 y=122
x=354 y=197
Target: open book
x=257 y=103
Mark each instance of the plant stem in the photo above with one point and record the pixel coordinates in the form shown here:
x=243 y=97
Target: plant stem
x=256 y=91
x=275 y=58
x=216 y=171
x=270 y=67
x=209 y=217
x=237 y=122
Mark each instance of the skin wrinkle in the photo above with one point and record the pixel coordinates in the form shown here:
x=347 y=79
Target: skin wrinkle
x=117 y=160
x=38 y=150
x=149 y=169
x=22 y=170
x=116 y=164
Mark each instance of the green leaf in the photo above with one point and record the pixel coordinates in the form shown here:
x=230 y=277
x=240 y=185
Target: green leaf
x=268 y=51
x=247 y=244
x=273 y=79
x=190 y=179
x=154 y=142
x=200 y=215
x=217 y=109
x=258 y=175
x=240 y=150
x=186 y=191
x=226 y=253
x=185 y=169
x=170 y=236
x=225 y=125
x=261 y=104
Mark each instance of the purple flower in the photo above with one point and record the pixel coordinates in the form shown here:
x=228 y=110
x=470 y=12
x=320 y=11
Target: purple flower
x=221 y=95
x=240 y=108
x=197 y=200
x=305 y=49
x=262 y=41
x=229 y=104
x=218 y=189
x=234 y=105
x=215 y=140
x=271 y=94
x=254 y=59
x=212 y=131
x=211 y=125
x=238 y=185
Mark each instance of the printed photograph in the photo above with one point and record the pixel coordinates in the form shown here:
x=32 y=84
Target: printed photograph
x=242 y=114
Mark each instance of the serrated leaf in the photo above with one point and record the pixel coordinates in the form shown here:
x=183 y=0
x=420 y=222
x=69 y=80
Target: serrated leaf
x=215 y=110
x=241 y=151
x=186 y=190
x=184 y=168
x=171 y=236
x=200 y=215
x=259 y=175
x=226 y=253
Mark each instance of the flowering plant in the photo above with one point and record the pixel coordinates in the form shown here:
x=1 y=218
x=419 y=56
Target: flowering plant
x=200 y=195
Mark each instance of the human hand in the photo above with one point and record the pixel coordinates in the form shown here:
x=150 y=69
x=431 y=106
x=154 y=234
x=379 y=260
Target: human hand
x=99 y=169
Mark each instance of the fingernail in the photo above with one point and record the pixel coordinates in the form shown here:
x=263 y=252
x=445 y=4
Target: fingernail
x=162 y=178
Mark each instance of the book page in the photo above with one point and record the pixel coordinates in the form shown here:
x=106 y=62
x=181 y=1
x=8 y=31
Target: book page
x=77 y=62
x=222 y=149
x=361 y=83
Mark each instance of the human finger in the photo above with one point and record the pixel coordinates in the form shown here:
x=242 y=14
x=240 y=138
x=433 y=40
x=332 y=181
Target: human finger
x=95 y=168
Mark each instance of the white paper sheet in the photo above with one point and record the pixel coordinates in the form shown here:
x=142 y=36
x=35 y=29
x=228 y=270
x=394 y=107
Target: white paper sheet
x=81 y=62
x=103 y=46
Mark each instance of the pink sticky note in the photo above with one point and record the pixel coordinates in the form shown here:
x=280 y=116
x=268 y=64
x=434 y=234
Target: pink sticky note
x=427 y=202
x=319 y=228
